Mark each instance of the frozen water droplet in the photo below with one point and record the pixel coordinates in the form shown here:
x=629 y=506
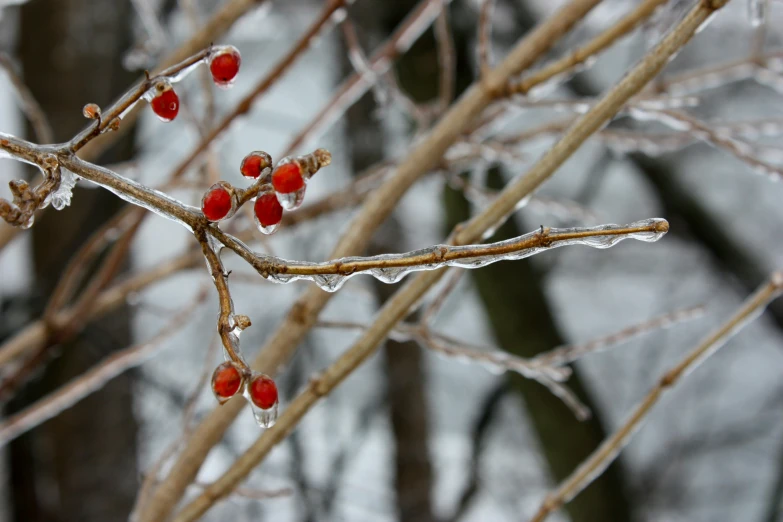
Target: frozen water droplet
x=61 y=197
x=27 y=224
x=265 y=418
x=389 y=275
x=264 y=390
x=268 y=230
x=291 y=200
x=329 y=282
x=225 y=85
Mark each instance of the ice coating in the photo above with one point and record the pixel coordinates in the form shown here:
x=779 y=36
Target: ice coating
x=264 y=418
x=390 y=268
x=61 y=197
x=291 y=200
x=109 y=180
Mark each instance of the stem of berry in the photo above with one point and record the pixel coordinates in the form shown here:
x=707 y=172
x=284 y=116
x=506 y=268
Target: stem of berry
x=227 y=326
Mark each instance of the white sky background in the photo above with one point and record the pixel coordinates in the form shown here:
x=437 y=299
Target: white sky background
x=592 y=293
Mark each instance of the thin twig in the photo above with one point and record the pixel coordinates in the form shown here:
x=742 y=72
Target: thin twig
x=398 y=305
x=447 y=59
x=571 y=352
x=485 y=36
x=92 y=380
x=27 y=102
x=281 y=67
x=217 y=25
x=595 y=46
x=390 y=268
x=35 y=335
x=605 y=454
x=376 y=208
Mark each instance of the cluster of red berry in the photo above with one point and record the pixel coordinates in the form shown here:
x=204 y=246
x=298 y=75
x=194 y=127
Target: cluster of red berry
x=229 y=379
x=277 y=189
x=223 y=64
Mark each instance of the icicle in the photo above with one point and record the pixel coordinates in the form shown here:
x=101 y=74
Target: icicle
x=61 y=197
x=653 y=230
x=291 y=200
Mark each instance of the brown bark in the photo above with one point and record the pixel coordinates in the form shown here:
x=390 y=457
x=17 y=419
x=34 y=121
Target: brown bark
x=82 y=464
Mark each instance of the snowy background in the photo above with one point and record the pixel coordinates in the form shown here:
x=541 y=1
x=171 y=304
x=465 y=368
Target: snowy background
x=712 y=450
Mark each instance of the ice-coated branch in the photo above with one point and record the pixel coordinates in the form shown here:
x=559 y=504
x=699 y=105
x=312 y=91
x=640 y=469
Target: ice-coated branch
x=51 y=159
x=579 y=56
x=311 y=34
x=571 y=352
x=210 y=31
x=92 y=380
x=377 y=207
x=682 y=122
x=356 y=85
x=26 y=199
x=607 y=452
x=110 y=118
x=426 y=154
x=714 y=76
x=390 y=268
x=229 y=326
x=548 y=368
x=495 y=360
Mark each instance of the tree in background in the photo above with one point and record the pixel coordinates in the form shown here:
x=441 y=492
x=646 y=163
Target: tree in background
x=455 y=125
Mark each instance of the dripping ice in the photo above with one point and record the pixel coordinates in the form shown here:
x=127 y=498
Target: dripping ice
x=331 y=282
x=61 y=197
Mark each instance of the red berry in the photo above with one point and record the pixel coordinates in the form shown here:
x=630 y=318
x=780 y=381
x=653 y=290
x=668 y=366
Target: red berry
x=287 y=178
x=254 y=163
x=166 y=104
x=268 y=210
x=226 y=381
x=224 y=66
x=217 y=202
x=263 y=392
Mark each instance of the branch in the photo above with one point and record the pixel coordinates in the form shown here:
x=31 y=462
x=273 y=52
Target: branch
x=447 y=59
x=374 y=211
x=527 y=245
x=485 y=36
x=595 y=46
x=610 y=449
x=35 y=335
x=390 y=268
x=718 y=138
x=419 y=161
x=28 y=103
x=92 y=380
x=281 y=67
x=569 y=353
x=218 y=24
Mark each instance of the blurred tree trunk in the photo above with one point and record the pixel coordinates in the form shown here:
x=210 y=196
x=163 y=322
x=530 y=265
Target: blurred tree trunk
x=82 y=464
x=406 y=377
x=523 y=324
